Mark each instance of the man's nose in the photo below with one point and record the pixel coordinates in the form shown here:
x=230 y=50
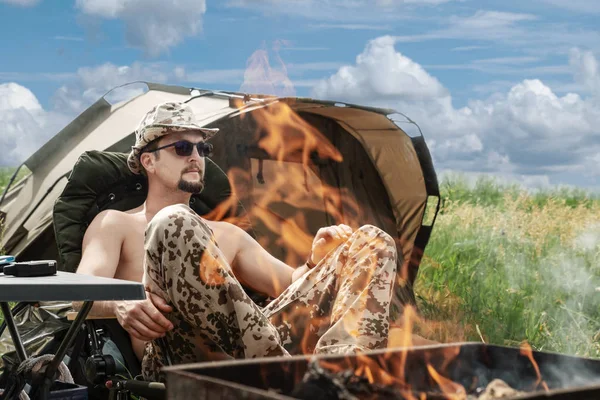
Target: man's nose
x=196 y=158
x=195 y=154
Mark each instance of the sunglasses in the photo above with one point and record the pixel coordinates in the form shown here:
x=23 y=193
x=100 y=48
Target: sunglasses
x=184 y=148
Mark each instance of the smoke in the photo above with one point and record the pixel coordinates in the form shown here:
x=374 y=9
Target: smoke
x=565 y=286
x=262 y=77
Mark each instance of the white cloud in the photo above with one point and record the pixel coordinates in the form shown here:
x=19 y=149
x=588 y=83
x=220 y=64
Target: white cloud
x=381 y=72
x=239 y=75
x=91 y=83
x=24 y=124
x=14 y=96
x=483 y=25
x=508 y=60
x=308 y=48
x=22 y=3
x=536 y=35
x=215 y=76
x=587 y=70
x=527 y=130
x=583 y=6
x=69 y=38
x=338 y=10
x=468 y=48
x=153 y=25
x=353 y=27
x=35 y=76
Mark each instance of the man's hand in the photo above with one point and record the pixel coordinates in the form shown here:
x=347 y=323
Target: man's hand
x=328 y=239
x=144 y=319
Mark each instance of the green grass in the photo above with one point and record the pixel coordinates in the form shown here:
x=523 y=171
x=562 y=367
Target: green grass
x=7 y=172
x=512 y=266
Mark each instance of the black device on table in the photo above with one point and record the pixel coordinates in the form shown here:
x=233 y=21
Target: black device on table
x=29 y=268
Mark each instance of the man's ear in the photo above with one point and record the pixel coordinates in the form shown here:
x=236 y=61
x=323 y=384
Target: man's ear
x=147 y=161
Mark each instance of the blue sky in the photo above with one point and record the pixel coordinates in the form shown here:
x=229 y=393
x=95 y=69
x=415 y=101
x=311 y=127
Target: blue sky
x=504 y=88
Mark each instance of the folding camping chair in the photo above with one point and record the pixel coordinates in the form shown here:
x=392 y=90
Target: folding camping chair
x=101 y=180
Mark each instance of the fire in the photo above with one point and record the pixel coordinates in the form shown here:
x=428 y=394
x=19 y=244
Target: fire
x=403 y=339
x=286 y=147
x=528 y=352
x=288 y=135
x=453 y=390
x=378 y=373
x=280 y=188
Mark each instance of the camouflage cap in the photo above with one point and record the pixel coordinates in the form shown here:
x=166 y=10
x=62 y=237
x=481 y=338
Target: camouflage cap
x=161 y=120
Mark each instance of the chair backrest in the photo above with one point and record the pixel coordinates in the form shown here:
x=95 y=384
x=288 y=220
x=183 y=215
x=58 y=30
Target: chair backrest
x=101 y=180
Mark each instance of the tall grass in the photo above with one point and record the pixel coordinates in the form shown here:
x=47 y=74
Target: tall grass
x=505 y=265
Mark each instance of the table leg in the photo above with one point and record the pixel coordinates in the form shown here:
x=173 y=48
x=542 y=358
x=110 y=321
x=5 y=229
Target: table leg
x=14 y=333
x=52 y=368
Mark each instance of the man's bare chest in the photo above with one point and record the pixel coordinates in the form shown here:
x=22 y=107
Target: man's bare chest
x=131 y=261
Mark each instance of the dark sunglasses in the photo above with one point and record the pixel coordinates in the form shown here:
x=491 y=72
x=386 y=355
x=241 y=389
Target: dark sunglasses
x=184 y=148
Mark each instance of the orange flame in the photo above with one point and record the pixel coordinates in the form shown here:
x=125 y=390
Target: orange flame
x=280 y=186
x=378 y=373
x=528 y=352
x=287 y=185
x=453 y=390
x=289 y=134
x=402 y=337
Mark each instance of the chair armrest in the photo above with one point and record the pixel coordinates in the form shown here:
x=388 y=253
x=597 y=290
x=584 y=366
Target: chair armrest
x=73 y=314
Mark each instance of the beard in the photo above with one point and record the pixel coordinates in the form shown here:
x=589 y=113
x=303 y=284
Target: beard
x=191 y=187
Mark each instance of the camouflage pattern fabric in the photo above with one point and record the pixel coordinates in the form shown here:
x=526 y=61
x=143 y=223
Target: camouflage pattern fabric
x=340 y=306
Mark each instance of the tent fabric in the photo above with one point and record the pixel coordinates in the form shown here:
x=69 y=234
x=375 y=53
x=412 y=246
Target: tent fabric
x=386 y=149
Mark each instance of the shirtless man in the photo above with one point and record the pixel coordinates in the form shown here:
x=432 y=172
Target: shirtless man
x=192 y=268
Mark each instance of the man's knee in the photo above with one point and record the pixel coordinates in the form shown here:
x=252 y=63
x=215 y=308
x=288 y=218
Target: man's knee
x=374 y=233
x=167 y=214
x=171 y=221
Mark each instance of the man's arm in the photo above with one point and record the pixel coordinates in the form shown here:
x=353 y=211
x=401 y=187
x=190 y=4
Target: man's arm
x=100 y=253
x=256 y=268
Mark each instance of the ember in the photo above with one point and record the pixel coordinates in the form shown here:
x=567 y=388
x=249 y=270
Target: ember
x=321 y=384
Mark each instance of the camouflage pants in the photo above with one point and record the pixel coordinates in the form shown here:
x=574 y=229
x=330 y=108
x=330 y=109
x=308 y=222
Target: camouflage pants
x=340 y=306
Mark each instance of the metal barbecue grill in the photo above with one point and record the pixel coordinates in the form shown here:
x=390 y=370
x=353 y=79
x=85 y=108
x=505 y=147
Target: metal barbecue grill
x=472 y=366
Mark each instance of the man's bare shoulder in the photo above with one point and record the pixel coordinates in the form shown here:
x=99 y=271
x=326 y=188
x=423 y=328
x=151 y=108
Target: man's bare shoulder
x=114 y=220
x=223 y=227
x=111 y=216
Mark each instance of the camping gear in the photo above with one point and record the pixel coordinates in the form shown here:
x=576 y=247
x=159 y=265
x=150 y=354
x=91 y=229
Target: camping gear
x=31 y=268
x=60 y=287
x=364 y=169
x=460 y=369
x=327 y=163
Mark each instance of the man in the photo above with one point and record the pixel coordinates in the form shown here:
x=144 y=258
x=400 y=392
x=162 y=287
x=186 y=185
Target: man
x=192 y=268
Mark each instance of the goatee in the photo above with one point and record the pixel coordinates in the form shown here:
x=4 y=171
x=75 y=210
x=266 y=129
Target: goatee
x=191 y=187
